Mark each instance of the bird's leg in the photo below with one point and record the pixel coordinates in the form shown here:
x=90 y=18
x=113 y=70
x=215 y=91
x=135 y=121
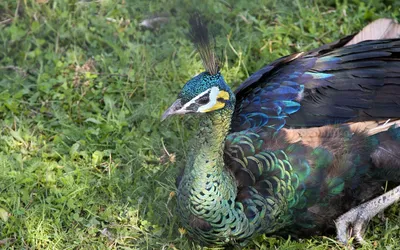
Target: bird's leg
x=357 y=218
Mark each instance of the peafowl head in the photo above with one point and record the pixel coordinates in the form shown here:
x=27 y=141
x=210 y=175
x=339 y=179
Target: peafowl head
x=208 y=91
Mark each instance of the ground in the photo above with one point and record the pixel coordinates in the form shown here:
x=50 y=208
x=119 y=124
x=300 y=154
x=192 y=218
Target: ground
x=84 y=161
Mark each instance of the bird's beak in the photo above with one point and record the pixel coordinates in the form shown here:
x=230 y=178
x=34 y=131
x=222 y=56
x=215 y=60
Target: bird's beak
x=173 y=109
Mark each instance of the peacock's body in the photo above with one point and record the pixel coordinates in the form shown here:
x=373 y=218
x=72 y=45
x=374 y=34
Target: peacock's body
x=298 y=144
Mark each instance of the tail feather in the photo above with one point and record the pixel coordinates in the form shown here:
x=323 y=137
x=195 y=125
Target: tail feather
x=383 y=28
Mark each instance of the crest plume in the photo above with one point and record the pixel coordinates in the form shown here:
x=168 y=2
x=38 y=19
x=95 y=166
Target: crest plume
x=201 y=39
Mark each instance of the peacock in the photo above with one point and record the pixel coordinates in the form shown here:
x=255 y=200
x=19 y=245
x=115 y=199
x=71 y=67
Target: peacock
x=303 y=146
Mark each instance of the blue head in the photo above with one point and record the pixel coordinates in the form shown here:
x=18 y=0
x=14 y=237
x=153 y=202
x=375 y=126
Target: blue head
x=207 y=91
x=201 y=94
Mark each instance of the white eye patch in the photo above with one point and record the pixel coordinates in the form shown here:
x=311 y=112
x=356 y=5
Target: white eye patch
x=213 y=99
x=212 y=95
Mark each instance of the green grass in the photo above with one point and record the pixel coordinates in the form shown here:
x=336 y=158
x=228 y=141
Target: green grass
x=82 y=89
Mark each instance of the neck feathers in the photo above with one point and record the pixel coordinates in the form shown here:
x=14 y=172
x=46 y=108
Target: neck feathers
x=214 y=127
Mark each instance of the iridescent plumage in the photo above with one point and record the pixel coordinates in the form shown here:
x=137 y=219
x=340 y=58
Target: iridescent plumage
x=295 y=146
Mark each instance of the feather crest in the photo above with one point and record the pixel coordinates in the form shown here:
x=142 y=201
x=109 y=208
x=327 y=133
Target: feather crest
x=201 y=39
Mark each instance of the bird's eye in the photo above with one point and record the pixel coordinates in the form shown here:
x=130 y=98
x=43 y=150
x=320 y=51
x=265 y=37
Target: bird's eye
x=203 y=100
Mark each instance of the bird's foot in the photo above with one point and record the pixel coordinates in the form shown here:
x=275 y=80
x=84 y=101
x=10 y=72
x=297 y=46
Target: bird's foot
x=354 y=222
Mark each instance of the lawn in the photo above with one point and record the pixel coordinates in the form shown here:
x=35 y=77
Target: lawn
x=84 y=161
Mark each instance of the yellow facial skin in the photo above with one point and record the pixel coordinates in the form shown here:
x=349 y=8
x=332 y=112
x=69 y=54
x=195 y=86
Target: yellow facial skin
x=219 y=105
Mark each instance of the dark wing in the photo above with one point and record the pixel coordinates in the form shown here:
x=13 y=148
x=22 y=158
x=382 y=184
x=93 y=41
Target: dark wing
x=332 y=84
